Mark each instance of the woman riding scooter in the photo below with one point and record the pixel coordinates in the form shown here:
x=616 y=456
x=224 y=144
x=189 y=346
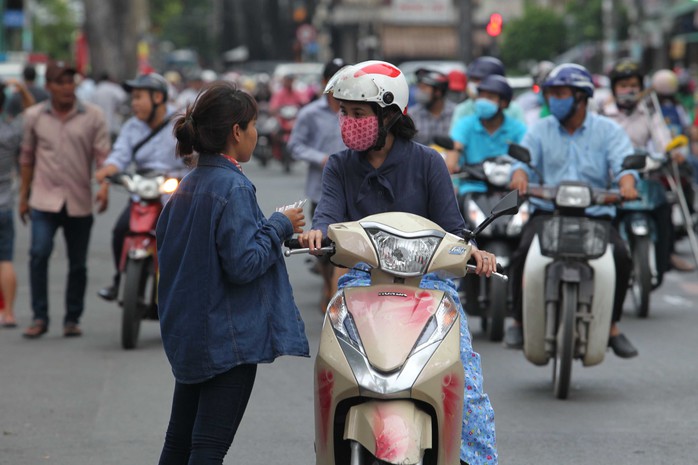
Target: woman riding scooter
x=146 y=139
x=384 y=170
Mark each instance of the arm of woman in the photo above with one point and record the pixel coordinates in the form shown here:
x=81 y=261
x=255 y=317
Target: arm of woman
x=247 y=250
x=332 y=207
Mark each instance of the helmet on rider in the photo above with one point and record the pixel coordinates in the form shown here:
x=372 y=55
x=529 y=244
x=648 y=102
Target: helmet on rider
x=153 y=83
x=541 y=70
x=432 y=78
x=665 y=82
x=384 y=87
x=371 y=82
x=484 y=66
x=493 y=96
x=574 y=77
x=571 y=75
x=625 y=69
x=497 y=85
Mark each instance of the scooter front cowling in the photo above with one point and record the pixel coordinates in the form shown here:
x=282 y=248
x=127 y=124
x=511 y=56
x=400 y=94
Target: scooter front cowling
x=350 y=391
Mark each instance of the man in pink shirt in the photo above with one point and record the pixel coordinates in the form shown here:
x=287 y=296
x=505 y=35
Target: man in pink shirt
x=63 y=140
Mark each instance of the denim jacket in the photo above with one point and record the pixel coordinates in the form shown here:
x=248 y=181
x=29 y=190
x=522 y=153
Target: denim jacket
x=224 y=294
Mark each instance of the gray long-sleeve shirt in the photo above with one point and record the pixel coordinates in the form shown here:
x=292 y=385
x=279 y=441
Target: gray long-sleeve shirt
x=316 y=136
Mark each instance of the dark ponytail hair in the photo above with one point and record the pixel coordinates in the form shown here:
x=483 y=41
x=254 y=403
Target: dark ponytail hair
x=403 y=128
x=206 y=124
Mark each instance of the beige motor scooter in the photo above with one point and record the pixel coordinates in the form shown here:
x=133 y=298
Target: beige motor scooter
x=388 y=374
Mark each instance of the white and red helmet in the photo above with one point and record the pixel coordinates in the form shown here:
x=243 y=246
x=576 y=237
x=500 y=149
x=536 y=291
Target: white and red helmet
x=371 y=81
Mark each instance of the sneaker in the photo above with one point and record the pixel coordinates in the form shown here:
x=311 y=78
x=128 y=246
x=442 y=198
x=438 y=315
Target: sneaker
x=37 y=329
x=108 y=293
x=622 y=347
x=513 y=337
x=71 y=330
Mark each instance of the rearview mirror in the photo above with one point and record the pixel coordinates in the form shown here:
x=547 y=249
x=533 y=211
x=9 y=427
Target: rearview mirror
x=509 y=205
x=519 y=152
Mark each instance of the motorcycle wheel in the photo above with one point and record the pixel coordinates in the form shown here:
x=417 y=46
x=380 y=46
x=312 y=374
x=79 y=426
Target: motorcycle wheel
x=498 y=297
x=498 y=308
x=134 y=303
x=564 y=352
x=642 y=276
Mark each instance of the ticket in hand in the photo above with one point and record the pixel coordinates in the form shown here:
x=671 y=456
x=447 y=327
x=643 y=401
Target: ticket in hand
x=298 y=204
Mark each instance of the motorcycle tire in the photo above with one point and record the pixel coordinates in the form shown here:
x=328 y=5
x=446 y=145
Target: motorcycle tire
x=641 y=285
x=134 y=303
x=498 y=298
x=499 y=293
x=564 y=351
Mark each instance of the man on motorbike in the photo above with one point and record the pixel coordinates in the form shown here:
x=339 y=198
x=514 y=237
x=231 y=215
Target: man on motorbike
x=478 y=70
x=384 y=170
x=532 y=102
x=146 y=140
x=647 y=131
x=286 y=95
x=487 y=133
x=433 y=112
x=574 y=145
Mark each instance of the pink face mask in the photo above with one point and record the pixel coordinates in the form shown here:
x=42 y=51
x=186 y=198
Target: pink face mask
x=359 y=134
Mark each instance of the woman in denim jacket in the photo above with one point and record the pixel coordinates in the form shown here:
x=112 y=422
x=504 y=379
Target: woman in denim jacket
x=225 y=301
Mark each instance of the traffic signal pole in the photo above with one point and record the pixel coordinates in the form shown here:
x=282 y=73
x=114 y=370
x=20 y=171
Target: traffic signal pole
x=465 y=30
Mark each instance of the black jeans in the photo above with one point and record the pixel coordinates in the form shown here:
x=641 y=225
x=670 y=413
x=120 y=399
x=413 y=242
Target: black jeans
x=76 y=231
x=621 y=257
x=205 y=417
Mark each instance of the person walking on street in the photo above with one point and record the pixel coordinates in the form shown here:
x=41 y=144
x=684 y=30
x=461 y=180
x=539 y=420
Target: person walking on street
x=314 y=137
x=63 y=138
x=10 y=140
x=147 y=141
x=111 y=98
x=225 y=299
x=15 y=104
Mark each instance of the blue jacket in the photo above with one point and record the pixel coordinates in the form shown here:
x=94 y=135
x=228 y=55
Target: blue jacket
x=224 y=294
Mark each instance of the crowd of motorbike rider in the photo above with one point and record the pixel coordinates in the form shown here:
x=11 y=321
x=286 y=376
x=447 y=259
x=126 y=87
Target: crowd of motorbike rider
x=583 y=140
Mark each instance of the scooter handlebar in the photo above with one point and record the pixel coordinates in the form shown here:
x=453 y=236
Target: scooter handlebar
x=499 y=274
x=294 y=247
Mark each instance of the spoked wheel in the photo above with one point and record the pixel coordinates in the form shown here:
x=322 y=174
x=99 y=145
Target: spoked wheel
x=135 y=301
x=642 y=276
x=564 y=350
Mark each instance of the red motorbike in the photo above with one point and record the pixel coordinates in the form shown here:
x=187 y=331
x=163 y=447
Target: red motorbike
x=139 y=261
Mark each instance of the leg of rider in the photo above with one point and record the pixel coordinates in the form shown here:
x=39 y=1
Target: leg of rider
x=117 y=243
x=624 y=265
x=664 y=245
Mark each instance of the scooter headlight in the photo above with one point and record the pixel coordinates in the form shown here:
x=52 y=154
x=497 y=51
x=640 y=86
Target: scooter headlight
x=439 y=324
x=147 y=188
x=515 y=224
x=574 y=196
x=343 y=323
x=169 y=186
x=401 y=256
x=477 y=216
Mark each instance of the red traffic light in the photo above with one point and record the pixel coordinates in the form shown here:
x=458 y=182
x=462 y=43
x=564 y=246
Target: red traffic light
x=494 y=27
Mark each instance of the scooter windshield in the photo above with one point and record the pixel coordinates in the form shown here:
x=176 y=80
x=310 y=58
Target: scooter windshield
x=389 y=320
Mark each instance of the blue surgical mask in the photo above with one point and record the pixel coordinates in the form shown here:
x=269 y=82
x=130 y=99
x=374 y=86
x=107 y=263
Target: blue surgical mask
x=485 y=108
x=561 y=108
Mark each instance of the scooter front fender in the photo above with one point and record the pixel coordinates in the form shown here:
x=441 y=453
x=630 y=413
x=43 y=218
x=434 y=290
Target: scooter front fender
x=394 y=431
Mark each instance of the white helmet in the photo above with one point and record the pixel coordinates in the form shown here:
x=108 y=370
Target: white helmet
x=665 y=82
x=371 y=81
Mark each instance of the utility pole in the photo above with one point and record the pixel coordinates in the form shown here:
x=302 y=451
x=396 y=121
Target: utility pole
x=465 y=29
x=610 y=38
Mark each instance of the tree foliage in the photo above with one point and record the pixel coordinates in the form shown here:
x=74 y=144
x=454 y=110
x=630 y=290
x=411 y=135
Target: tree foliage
x=539 y=34
x=54 y=27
